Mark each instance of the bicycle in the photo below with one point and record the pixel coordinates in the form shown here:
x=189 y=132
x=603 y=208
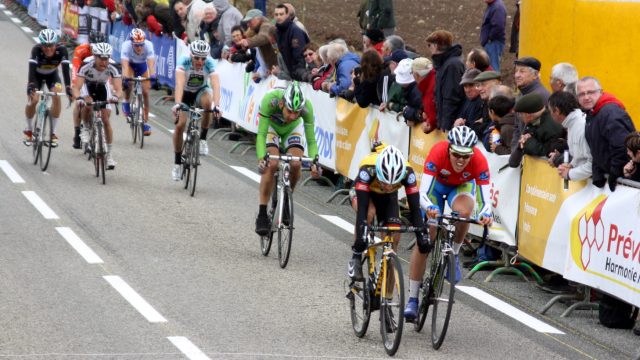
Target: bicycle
x=436 y=288
x=43 y=130
x=383 y=270
x=191 y=146
x=97 y=147
x=136 y=117
x=281 y=211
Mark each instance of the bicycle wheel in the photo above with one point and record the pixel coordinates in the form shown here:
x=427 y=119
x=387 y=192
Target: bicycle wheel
x=442 y=296
x=186 y=161
x=133 y=116
x=426 y=290
x=195 y=161
x=360 y=301
x=285 y=231
x=265 y=241
x=37 y=138
x=392 y=305
x=46 y=136
x=139 y=119
x=100 y=153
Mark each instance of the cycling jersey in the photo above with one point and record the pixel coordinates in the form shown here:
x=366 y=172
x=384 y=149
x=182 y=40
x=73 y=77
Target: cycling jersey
x=128 y=52
x=81 y=52
x=195 y=79
x=92 y=76
x=41 y=66
x=272 y=121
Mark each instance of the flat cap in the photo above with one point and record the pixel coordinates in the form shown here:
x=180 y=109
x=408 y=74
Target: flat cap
x=530 y=62
x=253 y=13
x=529 y=104
x=469 y=76
x=487 y=75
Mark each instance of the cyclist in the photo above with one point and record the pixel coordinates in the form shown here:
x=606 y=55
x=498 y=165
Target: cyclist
x=381 y=174
x=196 y=83
x=92 y=84
x=283 y=116
x=459 y=171
x=137 y=59
x=45 y=59
x=81 y=53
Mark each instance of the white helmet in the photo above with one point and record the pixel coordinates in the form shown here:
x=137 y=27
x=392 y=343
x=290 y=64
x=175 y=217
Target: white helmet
x=48 y=37
x=199 y=48
x=462 y=139
x=101 y=49
x=390 y=166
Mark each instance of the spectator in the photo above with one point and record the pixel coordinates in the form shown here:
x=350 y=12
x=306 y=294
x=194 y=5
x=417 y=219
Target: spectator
x=311 y=61
x=236 y=52
x=608 y=124
x=388 y=90
x=471 y=110
x=527 y=77
x=515 y=31
x=485 y=82
x=190 y=14
x=492 y=32
x=479 y=59
x=160 y=14
x=373 y=39
x=325 y=71
x=412 y=98
x=228 y=17
x=449 y=68
x=565 y=110
x=540 y=132
x=294 y=18
x=366 y=82
x=563 y=78
x=344 y=65
x=209 y=30
x=260 y=5
x=396 y=93
x=503 y=120
x=631 y=169
x=261 y=29
x=180 y=10
x=381 y=16
x=392 y=44
x=426 y=79
x=291 y=42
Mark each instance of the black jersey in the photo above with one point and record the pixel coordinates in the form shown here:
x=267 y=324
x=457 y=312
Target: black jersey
x=39 y=64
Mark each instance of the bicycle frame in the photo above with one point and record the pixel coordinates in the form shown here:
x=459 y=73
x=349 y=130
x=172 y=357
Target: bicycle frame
x=284 y=182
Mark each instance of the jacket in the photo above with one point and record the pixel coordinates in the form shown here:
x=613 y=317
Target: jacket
x=506 y=126
x=366 y=93
x=323 y=76
x=607 y=125
x=381 y=14
x=261 y=40
x=228 y=17
x=344 y=67
x=427 y=87
x=291 y=42
x=413 y=110
x=493 y=23
x=579 y=150
x=544 y=134
x=449 y=94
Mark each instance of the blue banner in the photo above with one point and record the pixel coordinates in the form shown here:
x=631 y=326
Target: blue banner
x=165 y=48
x=119 y=34
x=25 y=3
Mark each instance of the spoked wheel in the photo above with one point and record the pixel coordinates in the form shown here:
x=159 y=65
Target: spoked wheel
x=195 y=159
x=360 y=301
x=285 y=232
x=139 y=121
x=100 y=154
x=265 y=241
x=186 y=162
x=36 y=142
x=133 y=116
x=392 y=305
x=47 y=135
x=425 y=302
x=443 y=291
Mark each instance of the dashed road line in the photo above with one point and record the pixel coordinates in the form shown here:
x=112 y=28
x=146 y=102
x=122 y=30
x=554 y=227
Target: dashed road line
x=40 y=205
x=188 y=348
x=134 y=299
x=246 y=172
x=26 y=29
x=16 y=20
x=78 y=245
x=7 y=12
x=11 y=173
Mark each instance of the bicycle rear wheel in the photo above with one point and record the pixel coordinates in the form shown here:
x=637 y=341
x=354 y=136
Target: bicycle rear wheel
x=360 y=301
x=37 y=139
x=423 y=310
x=392 y=305
x=195 y=158
x=47 y=135
x=442 y=296
x=265 y=241
x=285 y=231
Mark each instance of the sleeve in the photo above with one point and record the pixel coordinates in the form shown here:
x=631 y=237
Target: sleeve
x=363 y=181
x=309 y=131
x=66 y=74
x=343 y=77
x=617 y=126
x=453 y=94
x=124 y=51
x=33 y=64
x=498 y=22
x=261 y=38
x=264 y=118
x=154 y=25
x=426 y=184
x=583 y=170
x=410 y=183
x=534 y=147
x=114 y=72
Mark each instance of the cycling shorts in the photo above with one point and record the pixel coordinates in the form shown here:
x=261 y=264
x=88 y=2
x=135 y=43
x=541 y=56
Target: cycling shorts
x=139 y=69
x=437 y=192
x=386 y=206
x=288 y=140
x=193 y=98
x=52 y=80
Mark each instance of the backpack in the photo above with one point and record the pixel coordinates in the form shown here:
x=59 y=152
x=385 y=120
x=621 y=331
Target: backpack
x=617 y=314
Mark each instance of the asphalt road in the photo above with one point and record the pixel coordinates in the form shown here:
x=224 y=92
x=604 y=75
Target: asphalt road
x=137 y=269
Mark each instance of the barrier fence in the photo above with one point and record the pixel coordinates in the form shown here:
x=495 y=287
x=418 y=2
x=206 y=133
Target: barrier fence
x=587 y=234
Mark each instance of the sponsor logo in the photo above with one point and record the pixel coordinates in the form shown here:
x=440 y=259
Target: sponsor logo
x=362 y=186
x=445 y=172
x=325 y=140
x=431 y=166
x=484 y=176
x=294 y=140
x=411 y=179
x=364 y=176
x=466 y=174
x=587 y=232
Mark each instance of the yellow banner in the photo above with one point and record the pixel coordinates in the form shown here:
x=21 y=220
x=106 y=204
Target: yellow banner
x=350 y=123
x=419 y=147
x=70 y=19
x=541 y=195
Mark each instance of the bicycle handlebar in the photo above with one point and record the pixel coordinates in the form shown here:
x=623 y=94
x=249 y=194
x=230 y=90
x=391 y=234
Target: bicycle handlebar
x=138 y=78
x=288 y=158
x=197 y=110
x=394 y=228
x=49 y=93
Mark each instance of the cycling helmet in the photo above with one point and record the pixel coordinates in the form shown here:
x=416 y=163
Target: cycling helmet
x=293 y=97
x=137 y=36
x=390 y=166
x=48 y=37
x=101 y=50
x=96 y=37
x=462 y=139
x=199 y=48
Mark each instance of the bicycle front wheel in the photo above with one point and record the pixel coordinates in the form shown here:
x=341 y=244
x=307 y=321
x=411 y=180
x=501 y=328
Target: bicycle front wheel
x=265 y=241
x=139 y=119
x=195 y=160
x=186 y=162
x=285 y=231
x=392 y=304
x=37 y=138
x=100 y=153
x=360 y=301
x=132 y=118
x=442 y=296
x=47 y=135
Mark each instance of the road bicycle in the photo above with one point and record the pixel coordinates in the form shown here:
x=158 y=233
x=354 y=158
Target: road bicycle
x=43 y=130
x=97 y=147
x=382 y=287
x=136 y=114
x=191 y=146
x=281 y=211
x=437 y=290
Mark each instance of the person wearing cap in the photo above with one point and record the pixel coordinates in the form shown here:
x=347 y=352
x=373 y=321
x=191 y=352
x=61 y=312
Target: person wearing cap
x=607 y=125
x=365 y=80
x=373 y=39
x=564 y=77
x=262 y=29
x=397 y=96
x=449 y=68
x=492 y=31
x=471 y=110
x=412 y=109
x=539 y=134
x=527 y=77
x=425 y=77
x=291 y=42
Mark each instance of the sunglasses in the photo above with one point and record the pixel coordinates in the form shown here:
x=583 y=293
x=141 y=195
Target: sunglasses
x=138 y=45
x=49 y=45
x=103 y=57
x=199 y=58
x=460 y=156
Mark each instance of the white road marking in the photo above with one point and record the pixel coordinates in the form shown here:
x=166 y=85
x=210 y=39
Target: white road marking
x=35 y=39
x=16 y=20
x=2 y=6
x=8 y=13
x=339 y=222
x=135 y=299
x=509 y=310
x=26 y=29
x=152 y=115
x=188 y=349
x=78 y=245
x=40 y=205
x=11 y=173
x=246 y=172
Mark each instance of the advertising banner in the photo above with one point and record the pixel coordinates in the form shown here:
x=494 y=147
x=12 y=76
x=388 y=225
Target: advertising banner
x=350 y=126
x=165 y=49
x=54 y=15
x=83 y=25
x=42 y=12
x=419 y=146
x=70 y=19
x=325 y=124
x=118 y=36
